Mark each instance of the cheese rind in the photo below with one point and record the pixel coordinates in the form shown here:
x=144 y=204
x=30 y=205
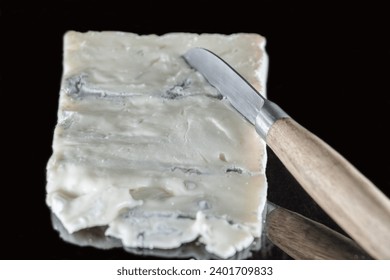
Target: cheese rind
x=146 y=146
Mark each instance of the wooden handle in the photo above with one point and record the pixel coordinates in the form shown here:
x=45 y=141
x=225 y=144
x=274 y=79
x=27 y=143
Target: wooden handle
x=304 y=239
x=361 y=209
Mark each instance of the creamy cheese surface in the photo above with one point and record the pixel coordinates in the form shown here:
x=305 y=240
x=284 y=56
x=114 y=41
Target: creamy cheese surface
x=145 y=146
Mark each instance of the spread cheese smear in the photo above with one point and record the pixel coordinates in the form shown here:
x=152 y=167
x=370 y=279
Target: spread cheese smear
x=145 y=146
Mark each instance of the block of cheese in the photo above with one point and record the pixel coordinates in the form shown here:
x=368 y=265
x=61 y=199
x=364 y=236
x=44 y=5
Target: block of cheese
x=145 y=146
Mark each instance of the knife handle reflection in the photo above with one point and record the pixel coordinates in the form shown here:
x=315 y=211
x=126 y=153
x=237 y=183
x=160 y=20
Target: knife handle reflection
x=305 y=239
x=348 y=197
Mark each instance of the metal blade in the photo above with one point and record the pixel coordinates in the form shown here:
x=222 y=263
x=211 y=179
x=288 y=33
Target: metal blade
x=230 y=84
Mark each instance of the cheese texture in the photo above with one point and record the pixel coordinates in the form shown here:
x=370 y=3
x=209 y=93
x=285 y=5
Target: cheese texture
x=145 y=146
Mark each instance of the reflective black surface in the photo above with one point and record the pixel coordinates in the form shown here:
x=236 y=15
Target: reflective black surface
x=329 y=69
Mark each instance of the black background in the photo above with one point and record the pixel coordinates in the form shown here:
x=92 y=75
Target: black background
x=329 y=69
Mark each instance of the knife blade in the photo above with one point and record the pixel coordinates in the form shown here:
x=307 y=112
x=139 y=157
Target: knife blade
x=244 y=98
x=348 y=197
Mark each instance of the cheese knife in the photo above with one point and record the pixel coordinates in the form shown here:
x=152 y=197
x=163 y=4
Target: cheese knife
x=304 y=239
x=348 y=197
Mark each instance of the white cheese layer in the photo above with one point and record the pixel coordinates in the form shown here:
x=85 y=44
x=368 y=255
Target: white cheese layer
x=147 y=147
